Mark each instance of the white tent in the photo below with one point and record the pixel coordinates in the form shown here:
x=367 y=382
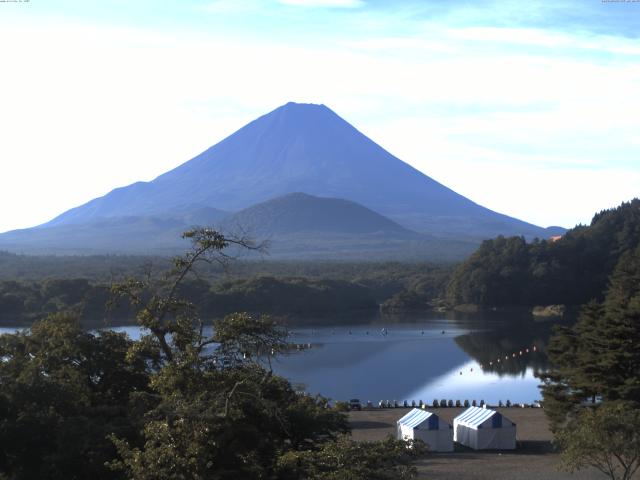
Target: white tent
x=483 y=429
x=428 y=427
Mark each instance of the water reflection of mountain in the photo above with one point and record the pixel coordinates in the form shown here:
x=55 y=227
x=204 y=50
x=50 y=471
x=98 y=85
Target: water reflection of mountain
x=372 y=370
x=503 y=342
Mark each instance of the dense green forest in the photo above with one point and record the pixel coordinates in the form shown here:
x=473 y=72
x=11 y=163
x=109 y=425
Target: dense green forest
x=572 y=270
x=107 y=268
x=22 y=303
x=33 y=287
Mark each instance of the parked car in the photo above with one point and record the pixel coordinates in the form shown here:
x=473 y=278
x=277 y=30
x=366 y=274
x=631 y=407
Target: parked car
x=354 y=404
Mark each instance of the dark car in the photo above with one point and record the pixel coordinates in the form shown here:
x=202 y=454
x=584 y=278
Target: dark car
x=354 y=404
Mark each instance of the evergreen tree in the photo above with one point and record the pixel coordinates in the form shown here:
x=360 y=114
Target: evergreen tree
x=572 y=270
x=600 y=356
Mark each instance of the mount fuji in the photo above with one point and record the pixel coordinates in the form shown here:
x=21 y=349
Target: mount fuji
x=301 y=149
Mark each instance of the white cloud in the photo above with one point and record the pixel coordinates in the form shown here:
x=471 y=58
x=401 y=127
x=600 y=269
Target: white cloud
x=538 y=37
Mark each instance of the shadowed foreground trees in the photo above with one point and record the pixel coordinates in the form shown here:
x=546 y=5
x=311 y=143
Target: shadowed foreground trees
x=599 y=357
x=63 y=391
x=176 y=404
x=607 y=438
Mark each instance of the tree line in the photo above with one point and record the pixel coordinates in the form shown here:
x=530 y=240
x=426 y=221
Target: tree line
x=572 y=270
x=23 y=302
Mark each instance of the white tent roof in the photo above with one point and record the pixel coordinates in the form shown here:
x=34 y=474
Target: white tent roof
x=473 y=417
x=415 y=418
x=423 y=420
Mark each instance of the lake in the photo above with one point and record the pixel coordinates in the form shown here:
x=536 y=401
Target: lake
x=488 y=358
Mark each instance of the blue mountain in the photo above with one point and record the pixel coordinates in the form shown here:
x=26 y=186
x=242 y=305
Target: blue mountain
x=295 y=148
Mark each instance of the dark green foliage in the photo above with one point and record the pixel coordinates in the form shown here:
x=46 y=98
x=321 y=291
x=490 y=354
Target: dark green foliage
x=63 y=390
x=572 y=270
x=348 y=460
x=314 y=290
x=422 y=291
x=599 y=357
x=22 y=303
x=288 y=296
x=606 y=438
x=223 y=422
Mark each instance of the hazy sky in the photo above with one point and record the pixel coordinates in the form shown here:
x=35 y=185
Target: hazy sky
x=530 y=108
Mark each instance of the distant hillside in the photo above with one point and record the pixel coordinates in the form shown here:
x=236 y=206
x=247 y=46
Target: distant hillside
x=295 y=226
x=159 y=235
x=301 y=226
x=571 y=270
x=299 y=213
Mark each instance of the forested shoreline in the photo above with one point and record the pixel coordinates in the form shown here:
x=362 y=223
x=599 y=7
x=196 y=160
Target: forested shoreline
x=504 y=273
x=571 y=270
x=23 y=302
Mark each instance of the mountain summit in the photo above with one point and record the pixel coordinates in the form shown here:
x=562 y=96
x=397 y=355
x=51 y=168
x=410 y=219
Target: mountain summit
x=300 y=148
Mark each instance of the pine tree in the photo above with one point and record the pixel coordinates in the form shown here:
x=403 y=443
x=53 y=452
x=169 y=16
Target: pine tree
x=600 y=355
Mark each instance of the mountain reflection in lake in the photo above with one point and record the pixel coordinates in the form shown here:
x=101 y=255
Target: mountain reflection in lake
x=404 y=358
x=415 y=360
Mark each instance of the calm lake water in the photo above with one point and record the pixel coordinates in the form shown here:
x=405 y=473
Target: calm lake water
x=418 y=358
